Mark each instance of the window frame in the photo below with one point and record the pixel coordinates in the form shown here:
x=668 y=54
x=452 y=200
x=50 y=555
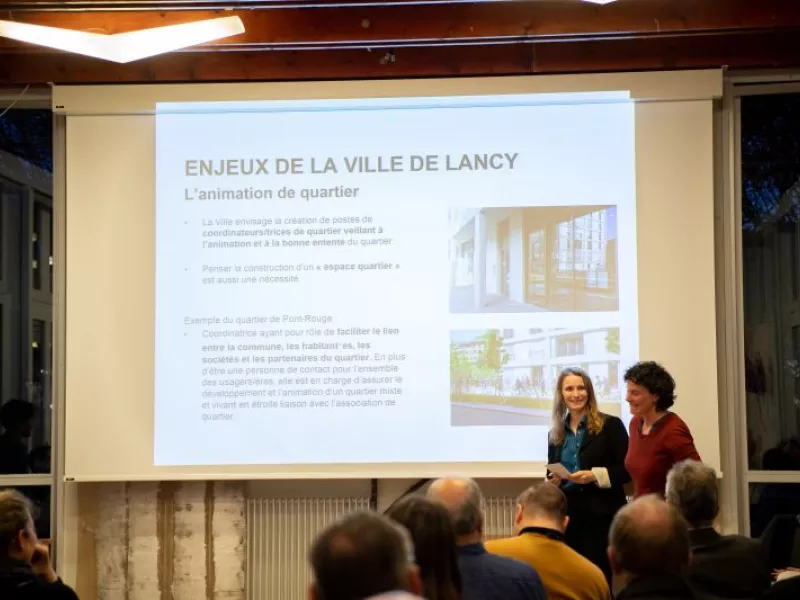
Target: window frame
x=730 y=293
x=28 y=98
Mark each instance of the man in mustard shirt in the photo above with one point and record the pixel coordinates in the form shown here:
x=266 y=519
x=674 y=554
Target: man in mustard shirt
x=540 y=522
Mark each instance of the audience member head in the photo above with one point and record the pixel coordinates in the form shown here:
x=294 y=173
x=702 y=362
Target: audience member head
x=574 y=392
x=542 y=505
x=363 y=555
x=17 y=533
x=648 y=537
x=650 y=387
x=434 y=539
x=692 y=490
x=16 y=417
x=463 y=500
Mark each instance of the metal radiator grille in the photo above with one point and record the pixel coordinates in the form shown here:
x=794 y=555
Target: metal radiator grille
x=281 y=530
x=279 y=534
x=499 y=518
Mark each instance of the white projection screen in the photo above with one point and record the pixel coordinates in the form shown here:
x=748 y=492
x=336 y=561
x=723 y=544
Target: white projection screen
x=378 y=279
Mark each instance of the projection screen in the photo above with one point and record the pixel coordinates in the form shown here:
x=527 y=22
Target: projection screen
x=379 y=279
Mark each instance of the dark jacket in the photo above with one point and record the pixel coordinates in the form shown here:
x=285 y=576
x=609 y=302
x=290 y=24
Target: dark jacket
x=788 y=589
x=658 y=587
x=605 y=449
x=18 y=582
x=487 y=576
x=729 y=567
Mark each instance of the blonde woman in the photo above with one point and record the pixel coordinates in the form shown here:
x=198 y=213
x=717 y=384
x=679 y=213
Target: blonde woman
x=592 y=446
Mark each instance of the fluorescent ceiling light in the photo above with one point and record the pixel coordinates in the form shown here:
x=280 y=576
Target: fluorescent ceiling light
x=124 y=47
x=600 y=1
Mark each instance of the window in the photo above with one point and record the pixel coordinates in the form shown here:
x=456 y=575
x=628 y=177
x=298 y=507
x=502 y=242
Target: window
x=26 y=305
x=569 y=345
x=537 y=264
x=770 y=183
x=39 y=495
x=583 y=246
x=774 y=510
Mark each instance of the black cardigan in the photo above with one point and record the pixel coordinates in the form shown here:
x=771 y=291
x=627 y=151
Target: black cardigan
x=605 y=449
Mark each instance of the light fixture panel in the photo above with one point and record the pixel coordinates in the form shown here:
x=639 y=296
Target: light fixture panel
x=124 y=47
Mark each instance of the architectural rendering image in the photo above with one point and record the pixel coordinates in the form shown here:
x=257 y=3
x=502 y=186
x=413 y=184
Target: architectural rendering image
x=508 y=376
x=552 y=258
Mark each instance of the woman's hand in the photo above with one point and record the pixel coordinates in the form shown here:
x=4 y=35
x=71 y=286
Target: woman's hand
x=785 y=573
x=583 y=477
x=554 y=479
x=41 y=565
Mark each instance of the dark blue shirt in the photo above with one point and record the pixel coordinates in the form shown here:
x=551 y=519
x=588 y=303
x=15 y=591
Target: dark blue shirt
x=571 y=449
x=487 y=576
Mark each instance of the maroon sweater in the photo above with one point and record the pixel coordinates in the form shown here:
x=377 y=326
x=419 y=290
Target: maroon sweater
x=651 y=456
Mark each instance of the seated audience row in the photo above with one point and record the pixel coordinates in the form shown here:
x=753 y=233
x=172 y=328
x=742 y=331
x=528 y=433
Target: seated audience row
x=372 y=556
x=656 y=549
x=433 y=547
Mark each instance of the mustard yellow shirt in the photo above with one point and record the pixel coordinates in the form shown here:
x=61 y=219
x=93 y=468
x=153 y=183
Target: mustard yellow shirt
x=566 y=575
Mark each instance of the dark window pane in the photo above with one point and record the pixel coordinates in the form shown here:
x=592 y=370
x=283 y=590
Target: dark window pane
x=28 y=135
x=36 y=249
x=42 y=239
x=774 y=509
x=39 y=495
x=51 y=252
x=771 y=273
x=25 y=293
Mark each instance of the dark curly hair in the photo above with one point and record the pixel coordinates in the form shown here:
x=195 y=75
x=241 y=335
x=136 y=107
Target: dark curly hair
x=656 y=379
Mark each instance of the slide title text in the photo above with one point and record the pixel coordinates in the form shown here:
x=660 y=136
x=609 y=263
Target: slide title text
x=414 y=163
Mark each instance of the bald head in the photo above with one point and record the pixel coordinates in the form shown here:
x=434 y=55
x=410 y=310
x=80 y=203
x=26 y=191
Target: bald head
x=649 y=537
x=463 y=500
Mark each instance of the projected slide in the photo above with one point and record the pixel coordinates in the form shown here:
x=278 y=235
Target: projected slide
x=388 y=280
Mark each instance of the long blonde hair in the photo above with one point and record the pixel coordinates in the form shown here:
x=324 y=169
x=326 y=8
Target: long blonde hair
x=594 y=422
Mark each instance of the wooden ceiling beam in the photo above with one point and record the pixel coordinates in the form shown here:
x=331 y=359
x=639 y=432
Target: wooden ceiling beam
x=779 y=50
x=404 y=40
x=433 y=24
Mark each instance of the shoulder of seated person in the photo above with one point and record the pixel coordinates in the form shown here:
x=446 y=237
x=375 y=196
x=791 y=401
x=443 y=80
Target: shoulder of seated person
x=522 y=568
x=586 y=567
x=743 y=541
x=489 y=544
x=56 y=590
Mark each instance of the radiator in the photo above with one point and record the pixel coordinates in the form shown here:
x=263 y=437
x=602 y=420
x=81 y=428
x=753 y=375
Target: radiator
x=499 y=518
x=281 y=530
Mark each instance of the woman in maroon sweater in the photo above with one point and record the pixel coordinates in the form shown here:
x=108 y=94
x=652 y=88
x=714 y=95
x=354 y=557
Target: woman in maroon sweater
x=658 y=438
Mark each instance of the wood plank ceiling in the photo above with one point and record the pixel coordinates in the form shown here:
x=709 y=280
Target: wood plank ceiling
x=324 y=39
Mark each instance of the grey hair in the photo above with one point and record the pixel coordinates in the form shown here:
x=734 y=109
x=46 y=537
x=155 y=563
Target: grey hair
x=467 y=512
x=692 y=490
x=15 y=513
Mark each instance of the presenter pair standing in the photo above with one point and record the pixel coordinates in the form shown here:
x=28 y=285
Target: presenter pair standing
x=592 y=447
